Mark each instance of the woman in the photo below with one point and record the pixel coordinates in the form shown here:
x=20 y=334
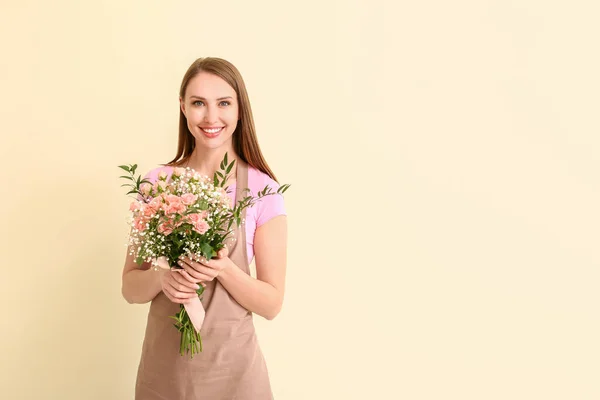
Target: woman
x=215 y=118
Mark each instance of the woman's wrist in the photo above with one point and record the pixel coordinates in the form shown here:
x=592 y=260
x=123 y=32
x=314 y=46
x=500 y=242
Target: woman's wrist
x=227 y=270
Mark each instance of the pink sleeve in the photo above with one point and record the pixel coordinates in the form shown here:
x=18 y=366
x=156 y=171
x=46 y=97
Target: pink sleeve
x=269 y=206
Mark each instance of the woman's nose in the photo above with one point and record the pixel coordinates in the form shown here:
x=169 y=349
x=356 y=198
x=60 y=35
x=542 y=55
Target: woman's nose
x=211 y=114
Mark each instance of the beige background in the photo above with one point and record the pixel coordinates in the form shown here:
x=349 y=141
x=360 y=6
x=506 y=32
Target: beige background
x=444 y=211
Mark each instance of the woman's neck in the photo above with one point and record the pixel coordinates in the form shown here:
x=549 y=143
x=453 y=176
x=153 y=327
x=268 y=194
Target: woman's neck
x=208 y=161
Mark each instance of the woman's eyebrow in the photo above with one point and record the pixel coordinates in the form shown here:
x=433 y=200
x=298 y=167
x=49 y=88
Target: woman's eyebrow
x=202 y=98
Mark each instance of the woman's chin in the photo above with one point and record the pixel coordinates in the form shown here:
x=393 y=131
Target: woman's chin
x=211 y=142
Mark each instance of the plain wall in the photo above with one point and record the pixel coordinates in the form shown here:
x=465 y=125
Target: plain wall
x=444 y=208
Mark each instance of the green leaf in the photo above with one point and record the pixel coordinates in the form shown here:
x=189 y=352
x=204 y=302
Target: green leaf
x=225 y=159
x=230 y=167
x=207 y=250
x=283 y=188
x=125 y=167
x=176 y=240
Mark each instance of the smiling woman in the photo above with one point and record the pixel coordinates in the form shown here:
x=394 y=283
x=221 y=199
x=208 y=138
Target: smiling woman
x=215 y=119
x=211 y=120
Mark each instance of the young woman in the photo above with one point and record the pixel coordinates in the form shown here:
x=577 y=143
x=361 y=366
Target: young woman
x=215 y=118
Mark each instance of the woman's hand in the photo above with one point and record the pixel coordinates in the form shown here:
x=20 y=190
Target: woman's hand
x=206 y=270
x=178 y=286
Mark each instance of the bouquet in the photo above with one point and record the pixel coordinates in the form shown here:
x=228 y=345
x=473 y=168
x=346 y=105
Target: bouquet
x=184 y=214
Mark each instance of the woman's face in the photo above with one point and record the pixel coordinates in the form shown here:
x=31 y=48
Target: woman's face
x=211 y=109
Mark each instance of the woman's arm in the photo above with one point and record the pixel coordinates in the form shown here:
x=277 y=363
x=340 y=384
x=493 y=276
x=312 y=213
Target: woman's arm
x=140 y=284
x=263 y=295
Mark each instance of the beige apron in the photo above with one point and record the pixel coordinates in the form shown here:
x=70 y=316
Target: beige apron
x=231 y=365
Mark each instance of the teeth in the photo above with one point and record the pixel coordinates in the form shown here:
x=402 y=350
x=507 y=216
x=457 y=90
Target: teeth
x=215 y=130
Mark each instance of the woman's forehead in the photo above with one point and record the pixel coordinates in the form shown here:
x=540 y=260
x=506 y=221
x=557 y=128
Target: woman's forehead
x=209 y=86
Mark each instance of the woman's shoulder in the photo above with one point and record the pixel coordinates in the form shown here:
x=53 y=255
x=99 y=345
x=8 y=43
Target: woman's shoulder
x=269 y=206
x=257 y=180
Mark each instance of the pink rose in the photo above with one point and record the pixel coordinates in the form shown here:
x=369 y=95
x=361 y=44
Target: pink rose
x=139 y=223
x=188 y=199
x=149 y=211
x=178 y=171
x=171 y=198
x=165 y=229
x=162 y=202
x=155 y=204
x=162 y=175
x=134 y=206
x=174 y=205
x=200 y=224
x=193 y=218
x=145 y=188
x=175 y=208
x=201 y=227
x=165 y=226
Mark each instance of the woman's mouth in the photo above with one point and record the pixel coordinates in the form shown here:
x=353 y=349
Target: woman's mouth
x=212 y=132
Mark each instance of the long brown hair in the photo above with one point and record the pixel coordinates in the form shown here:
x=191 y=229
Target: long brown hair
x=245 y=143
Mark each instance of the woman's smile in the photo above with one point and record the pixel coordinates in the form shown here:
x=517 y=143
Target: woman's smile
x=212 y=132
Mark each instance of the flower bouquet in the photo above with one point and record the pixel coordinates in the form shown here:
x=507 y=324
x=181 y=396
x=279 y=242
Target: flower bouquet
x=184 y=214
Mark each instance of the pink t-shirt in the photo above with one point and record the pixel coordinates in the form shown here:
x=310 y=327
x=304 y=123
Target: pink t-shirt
x=262 y=211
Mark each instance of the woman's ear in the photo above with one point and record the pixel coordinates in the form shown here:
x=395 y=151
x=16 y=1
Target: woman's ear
x=182 y=106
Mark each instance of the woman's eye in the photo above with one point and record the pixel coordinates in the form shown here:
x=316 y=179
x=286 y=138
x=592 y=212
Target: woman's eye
x=200 y=103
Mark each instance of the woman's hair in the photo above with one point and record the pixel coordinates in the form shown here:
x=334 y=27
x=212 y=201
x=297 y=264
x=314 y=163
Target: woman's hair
x=245 y=142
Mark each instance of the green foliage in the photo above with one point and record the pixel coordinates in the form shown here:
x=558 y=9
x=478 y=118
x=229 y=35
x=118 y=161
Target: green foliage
x=135 y=182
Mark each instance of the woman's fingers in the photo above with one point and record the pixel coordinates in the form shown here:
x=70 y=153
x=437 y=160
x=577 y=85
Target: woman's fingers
x=169 y=292
x=174 y=299
x=198 y=271
x=187 y=276
x=224 y=252
x=175 y=290
x=185 y=284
